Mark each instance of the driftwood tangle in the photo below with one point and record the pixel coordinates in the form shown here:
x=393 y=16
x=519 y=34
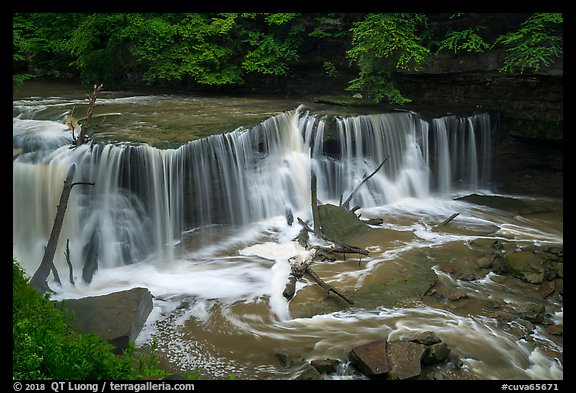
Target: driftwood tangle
x=301 y=268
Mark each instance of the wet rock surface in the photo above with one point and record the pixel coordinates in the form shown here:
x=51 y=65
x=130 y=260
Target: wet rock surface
x=117 y=317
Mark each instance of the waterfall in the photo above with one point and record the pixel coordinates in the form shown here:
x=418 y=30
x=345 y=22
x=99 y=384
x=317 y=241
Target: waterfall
x=144 y=199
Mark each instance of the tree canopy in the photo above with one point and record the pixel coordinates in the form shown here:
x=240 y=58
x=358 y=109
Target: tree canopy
x=218 y=50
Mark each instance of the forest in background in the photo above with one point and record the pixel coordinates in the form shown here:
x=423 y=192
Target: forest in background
x=358 y=53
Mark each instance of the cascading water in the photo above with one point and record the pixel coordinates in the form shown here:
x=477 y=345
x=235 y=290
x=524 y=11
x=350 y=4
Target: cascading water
x=203 y=227
x=143 y=198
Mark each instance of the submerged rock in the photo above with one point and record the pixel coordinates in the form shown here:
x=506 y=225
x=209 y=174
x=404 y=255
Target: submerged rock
x=325 y=366
x=512 y=205
x=310 y=374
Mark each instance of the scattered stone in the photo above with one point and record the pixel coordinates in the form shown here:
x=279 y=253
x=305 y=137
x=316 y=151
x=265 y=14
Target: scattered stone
x=559 y=284
x=513 y=205
x=531 y=312
x=457 y=295
x=436 y=353
x=370 y=358
x=290 y=288
x=556 y=330
x=525 y=265
x=405 y=358
x=426 y=338
x=559 y=267
x=434 y=376
x=310 y=374
x=340 y=224
x=547 y=288
x=374 y=221
x=285 y=359
x=325 y=366
x=402 y=359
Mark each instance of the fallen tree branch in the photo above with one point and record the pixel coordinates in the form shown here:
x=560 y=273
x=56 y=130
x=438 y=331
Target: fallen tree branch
x=328 y=288
x=446 y=221
x=67 y=254
x=299 y=266
x=91 y=104
x=347 y=201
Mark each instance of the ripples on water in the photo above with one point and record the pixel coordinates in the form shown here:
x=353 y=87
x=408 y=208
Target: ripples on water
x=218 y=304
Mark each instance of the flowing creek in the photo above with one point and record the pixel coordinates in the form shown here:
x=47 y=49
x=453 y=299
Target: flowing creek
x=190 y=201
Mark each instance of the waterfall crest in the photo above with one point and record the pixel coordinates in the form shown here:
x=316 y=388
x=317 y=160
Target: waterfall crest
x=145 y=198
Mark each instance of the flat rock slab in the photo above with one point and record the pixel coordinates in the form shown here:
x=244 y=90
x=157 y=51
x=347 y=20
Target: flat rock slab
x=371 y=358
x=117 y=317
x=405 y=358
x=340 y=224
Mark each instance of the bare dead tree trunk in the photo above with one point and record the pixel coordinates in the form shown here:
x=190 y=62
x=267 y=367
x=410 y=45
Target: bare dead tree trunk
x=91 y=104
x=314 y=197
x=39 y=278
x=67 y=254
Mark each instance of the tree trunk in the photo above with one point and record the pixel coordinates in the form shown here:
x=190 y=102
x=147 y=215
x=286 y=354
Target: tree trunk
x=38 y=281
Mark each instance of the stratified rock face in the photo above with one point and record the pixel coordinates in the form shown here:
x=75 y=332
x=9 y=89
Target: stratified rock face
x=117 y=317
x=531 y=103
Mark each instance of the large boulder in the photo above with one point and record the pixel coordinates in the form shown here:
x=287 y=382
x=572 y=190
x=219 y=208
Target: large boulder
x=117 y=317
x=341 y=225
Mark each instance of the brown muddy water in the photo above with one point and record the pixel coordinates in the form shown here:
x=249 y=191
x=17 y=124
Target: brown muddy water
x=218 y=304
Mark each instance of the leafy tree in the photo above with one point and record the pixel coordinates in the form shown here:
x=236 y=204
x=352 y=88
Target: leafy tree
x=100 y=52
x=382 y=43
x=271 y=49
x=232 y=49
x=467 y=40
x=39 y=44
x=535 y=44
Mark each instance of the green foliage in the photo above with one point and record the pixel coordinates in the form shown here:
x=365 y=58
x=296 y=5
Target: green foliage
x=327 y=26
x=330 y=69
x=379 y=87
x=196 y=47
x=270 y=55
x=46 y=347
x=382 y=43
x=464 y=41
x=535 y=44
x=280 y=19
x=40 y=40
x=224 y=49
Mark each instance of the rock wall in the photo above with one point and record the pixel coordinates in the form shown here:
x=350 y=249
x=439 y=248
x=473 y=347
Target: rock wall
x=529 y=104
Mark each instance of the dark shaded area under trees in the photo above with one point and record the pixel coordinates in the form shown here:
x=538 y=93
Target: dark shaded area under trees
x=396 y=58
x=509 y=64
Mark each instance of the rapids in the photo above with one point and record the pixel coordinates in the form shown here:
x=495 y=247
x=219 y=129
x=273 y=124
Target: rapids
x=200 y=222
